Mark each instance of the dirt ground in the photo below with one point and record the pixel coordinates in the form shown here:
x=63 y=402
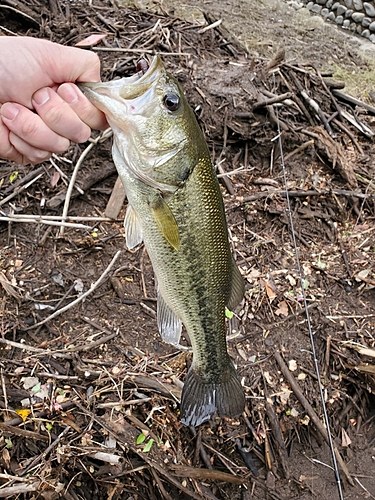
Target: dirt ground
x=97 y=378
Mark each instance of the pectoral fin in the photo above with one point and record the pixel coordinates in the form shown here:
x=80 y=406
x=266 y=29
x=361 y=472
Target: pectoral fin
x=166 y=221
x=133 y=228
x=238 y=288
x=169 y=325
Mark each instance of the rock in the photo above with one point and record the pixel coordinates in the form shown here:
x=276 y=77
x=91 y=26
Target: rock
x=359 y=29
x=316 y=8
x=321 y=2
x=357 y=17
x=339 y=20
x=366 y=33
x=346 y=24
x=358 y=5
x=372 y=26
x=348 y=13
x=329 y=4
x=372 y=38
x=369 y=8
x=366 y=21
x=324 y=13
x=341 y=9
x=335 y=5
x=331 y=16
x=310 y=5
x=349 y=3
x=353 y=27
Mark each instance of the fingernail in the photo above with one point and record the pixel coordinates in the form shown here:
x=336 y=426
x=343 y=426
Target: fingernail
x=68 y=93
x=9 y=111
x=41 y=97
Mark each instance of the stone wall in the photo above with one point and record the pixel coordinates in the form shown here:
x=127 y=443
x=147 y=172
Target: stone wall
x=354 y=15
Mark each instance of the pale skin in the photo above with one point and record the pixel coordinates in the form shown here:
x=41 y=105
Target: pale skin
x=41 y=109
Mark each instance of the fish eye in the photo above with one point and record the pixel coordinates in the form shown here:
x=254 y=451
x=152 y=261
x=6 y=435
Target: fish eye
x=171 y=102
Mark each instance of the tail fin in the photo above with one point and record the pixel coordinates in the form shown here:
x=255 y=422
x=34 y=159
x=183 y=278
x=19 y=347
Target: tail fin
x=203 y=397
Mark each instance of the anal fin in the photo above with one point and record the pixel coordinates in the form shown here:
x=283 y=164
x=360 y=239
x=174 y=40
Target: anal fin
x=169 y=324
x=133 y=228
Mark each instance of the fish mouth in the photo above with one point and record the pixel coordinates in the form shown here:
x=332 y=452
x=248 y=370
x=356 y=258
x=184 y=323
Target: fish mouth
x=125 y=88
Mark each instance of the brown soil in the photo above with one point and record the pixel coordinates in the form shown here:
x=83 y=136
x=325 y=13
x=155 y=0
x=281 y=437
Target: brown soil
x=103 y=377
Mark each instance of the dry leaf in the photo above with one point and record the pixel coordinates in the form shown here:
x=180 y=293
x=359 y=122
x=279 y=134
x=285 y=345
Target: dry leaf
x=55 y=178
x=282 y=310
x=345 y=439
x=8 y=287
x=270 y=290
x=23 y=414
x=292 y=365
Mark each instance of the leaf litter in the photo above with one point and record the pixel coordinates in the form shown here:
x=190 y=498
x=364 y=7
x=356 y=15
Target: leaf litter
x=90 y=397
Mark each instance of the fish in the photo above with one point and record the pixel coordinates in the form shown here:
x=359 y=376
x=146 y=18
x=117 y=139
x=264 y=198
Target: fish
x=175 y=207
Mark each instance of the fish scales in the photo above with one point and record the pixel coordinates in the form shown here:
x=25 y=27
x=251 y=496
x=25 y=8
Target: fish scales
x=176 y=208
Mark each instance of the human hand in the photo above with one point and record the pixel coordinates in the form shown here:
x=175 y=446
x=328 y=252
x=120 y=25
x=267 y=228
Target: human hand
x=41 y=110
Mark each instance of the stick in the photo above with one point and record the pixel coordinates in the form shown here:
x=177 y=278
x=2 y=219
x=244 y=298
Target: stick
x=23 y=432
x=139 y=51
x=81 y=297
x=302 y=194
x=272 y=100
x=352 y=100
x=311 y=413
x=186 y=471
x=40 y=220
x=22 y=188
x=19 y=488
x=104 y=135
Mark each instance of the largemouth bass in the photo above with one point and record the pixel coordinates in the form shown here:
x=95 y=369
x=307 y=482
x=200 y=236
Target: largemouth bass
x=175 y=207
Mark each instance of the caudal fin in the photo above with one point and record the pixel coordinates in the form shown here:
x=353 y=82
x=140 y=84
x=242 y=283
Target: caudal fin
x=202 y=397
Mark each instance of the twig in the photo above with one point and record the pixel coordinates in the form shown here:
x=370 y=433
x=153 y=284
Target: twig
x=138 y=51
x=272 y=100
x=186 y=471
x=315 y=106
x=210 y=26
x=352 y=100
x=351 y=136
x=22 y=188
x=79 y=299
x=299 y=149
x=58 y=217
x=359 y=125
x=302 y=194
x=19 y=488
x=283 y=454
x=45 y=452
x=23 y=432
x=311 y=413
x=104 y=135
x=40 y=220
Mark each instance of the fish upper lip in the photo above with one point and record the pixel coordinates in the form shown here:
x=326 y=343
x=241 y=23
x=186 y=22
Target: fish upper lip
x=129 y=85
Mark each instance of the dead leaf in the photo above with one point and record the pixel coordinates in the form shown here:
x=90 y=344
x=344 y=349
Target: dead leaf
x=270 y=290
x=282 y=310
x=8 y=287
x=55 y=178
x=292 y=365
x=345 y=439
x=90 y=40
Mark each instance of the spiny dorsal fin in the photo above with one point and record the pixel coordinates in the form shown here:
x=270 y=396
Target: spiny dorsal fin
x=166 y=221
